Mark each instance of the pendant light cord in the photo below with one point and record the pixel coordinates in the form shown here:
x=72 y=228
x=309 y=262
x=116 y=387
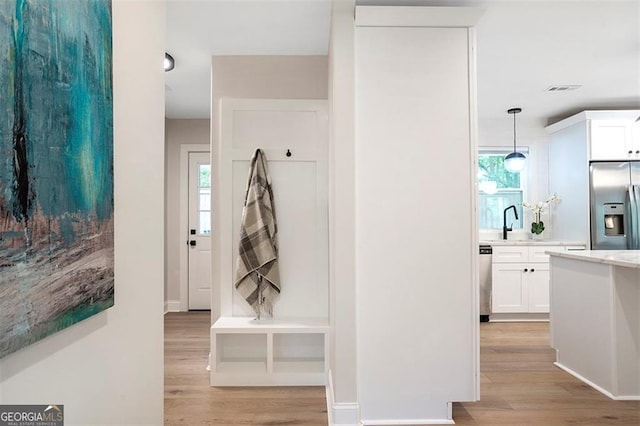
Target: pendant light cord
x=514 y=111
x=514 y=132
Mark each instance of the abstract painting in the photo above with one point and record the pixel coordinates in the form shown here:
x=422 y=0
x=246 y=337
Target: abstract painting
x=56 y=166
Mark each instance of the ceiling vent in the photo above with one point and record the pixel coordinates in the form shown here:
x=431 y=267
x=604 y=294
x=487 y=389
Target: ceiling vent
x=563 y=87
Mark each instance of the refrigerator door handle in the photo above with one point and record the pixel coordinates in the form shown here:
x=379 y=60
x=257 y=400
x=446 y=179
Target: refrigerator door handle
x=635 y=215
x=634 y=231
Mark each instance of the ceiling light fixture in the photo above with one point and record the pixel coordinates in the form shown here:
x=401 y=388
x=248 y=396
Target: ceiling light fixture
x=563 y=87
x=169 y=62
x=514 y=162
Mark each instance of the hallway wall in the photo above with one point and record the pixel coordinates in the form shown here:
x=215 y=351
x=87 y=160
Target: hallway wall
x=108 y=369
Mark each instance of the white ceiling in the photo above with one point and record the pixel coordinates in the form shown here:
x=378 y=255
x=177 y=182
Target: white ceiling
x=523 y=47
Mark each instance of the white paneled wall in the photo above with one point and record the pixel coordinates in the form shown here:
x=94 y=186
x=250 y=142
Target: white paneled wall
x=300 y=197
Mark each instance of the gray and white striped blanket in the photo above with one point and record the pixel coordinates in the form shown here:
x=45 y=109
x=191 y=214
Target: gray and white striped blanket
x=257 y=275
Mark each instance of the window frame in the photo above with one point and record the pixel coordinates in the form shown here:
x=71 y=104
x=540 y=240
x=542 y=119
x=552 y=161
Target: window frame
x=524 y=182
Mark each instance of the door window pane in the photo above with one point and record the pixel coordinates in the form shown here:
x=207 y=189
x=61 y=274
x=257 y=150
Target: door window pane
x=204 y=199
x=205 y=176
x=204 y=223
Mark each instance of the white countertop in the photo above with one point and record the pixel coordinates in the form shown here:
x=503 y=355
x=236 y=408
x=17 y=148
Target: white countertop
x=531 y=243
x=627 y=258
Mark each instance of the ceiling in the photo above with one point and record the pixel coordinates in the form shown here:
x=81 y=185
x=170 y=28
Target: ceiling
x=523 y=48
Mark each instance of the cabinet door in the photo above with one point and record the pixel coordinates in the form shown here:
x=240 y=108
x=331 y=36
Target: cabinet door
x=610 y=140
x=509 y=291
x=635 y=141
x=537 y=283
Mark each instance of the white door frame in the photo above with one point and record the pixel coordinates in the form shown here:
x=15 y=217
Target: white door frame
x=185 y=149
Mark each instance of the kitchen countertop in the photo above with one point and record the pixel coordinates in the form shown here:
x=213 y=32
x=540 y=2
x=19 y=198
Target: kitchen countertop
x=531 y=243
x=627 y=258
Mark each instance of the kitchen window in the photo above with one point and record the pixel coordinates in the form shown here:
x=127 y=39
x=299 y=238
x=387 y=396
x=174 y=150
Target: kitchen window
x=498 y=188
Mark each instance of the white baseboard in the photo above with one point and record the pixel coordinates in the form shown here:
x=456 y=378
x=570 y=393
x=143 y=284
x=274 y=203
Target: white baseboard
x=596 y=387
x=171 y=306
x=338 y=413
x=348 y=414
x=519 y=317
x=408 y=422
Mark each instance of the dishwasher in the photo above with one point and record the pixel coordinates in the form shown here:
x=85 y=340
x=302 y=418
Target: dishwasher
x=484 y=261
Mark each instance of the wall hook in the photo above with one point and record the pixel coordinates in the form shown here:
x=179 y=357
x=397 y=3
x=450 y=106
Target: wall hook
x=288 y=154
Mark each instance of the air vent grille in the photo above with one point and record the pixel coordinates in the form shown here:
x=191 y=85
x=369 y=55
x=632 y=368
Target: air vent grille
x=563 y=87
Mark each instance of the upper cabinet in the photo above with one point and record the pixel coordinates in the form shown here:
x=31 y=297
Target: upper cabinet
x=614 y=140
x=607 y=135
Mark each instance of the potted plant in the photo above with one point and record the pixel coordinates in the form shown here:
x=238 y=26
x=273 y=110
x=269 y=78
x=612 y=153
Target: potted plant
x=537 y=226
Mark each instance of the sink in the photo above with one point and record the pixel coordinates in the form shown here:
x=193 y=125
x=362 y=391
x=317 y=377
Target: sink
x=518 y=236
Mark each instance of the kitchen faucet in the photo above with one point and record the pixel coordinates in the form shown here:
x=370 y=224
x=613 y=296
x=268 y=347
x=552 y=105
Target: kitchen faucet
x=504 y=221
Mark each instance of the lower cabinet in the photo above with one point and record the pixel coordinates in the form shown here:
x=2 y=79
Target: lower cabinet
x=520 y=281
x=520 y=287
x=520 y=277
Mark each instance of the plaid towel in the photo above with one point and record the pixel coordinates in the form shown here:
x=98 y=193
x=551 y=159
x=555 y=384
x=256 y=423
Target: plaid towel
x=257 y=274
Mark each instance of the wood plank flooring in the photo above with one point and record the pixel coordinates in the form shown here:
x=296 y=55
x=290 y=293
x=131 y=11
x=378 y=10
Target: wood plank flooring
x=519 y=385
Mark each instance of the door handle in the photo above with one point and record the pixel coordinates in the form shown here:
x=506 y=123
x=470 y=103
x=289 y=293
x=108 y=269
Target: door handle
x=192 y=243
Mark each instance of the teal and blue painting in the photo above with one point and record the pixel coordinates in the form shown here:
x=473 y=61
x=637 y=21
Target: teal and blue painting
x=56 y=166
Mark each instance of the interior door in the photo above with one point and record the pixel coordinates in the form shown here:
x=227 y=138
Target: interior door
x=199 y=232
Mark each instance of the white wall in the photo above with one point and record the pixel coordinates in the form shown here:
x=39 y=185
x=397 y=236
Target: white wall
x=266 y=77
x=177 y=133
x=108 y=369
x=344 y=408
x=416 y=248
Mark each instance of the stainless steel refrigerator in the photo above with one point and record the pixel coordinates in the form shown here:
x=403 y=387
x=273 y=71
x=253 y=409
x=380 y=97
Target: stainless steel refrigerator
x=615 y=205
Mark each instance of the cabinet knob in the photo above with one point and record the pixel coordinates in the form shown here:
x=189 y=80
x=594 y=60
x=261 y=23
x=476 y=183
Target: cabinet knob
x=630 y=152
x=638 y=151
x=526 y=270
x=532 y=269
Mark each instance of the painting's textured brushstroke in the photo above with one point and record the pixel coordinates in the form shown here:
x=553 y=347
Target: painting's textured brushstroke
x=56 y=166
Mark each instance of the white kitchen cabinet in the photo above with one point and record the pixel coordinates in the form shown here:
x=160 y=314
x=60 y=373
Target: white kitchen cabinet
x=614 y=140
x=520 y=287
x=520 y=279
x=537 y=278
x=509 y=288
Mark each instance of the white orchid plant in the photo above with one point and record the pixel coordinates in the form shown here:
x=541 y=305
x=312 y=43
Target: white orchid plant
x=537 y=226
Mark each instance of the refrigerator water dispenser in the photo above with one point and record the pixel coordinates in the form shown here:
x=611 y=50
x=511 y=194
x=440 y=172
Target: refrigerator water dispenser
x=613 y=219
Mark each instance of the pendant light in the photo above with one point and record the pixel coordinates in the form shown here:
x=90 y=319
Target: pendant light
x=169 y=62
x=514 y=162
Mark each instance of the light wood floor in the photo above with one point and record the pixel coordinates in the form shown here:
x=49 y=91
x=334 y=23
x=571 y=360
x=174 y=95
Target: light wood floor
x=519 y=385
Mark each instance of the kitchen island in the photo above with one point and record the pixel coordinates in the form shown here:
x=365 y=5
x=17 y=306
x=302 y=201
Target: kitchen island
x=595 y=318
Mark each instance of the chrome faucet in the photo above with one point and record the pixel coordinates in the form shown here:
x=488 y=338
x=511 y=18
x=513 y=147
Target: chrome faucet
x=504 y=221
